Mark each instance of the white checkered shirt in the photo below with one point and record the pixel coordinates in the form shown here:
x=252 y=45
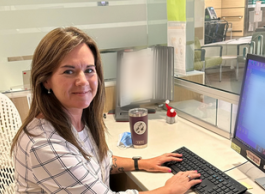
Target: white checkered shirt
x=48 y=163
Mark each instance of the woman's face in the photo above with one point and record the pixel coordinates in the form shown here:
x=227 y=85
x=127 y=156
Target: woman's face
x=75 y=81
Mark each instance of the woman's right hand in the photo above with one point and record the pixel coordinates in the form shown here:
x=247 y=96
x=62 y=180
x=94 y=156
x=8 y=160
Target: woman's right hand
x=181 y=182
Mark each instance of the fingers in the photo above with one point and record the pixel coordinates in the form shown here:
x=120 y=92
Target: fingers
x=172 y=159
x=195 y=182
x=192 y=177
x=164 y=169
x=173 y=155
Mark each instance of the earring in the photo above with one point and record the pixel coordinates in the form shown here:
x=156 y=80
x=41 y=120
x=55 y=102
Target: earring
x=49 y=91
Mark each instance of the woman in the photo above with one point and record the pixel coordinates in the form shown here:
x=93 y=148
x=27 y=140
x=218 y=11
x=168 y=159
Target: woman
x=61 y=147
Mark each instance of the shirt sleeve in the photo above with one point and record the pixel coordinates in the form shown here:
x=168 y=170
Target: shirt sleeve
x=58 y=167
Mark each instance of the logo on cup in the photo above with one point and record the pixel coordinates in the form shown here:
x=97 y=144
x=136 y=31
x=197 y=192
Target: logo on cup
x=139 y=127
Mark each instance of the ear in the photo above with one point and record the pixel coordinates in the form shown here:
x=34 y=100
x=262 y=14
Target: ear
x=47 y=84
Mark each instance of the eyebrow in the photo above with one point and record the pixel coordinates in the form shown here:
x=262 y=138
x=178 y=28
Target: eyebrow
x=73 y=67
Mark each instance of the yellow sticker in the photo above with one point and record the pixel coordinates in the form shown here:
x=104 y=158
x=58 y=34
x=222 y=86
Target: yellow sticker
x=236 y=147
x=246 y=185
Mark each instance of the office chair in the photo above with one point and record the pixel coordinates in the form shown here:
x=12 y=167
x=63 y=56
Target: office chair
x=256 y=46
x=201 y=62
x=221 y=30
x=215 y=31
x=10 y=122
x=209 y=32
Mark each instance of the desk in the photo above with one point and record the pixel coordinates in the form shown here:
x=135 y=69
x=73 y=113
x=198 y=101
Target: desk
x=164 y=138
x=230 y=46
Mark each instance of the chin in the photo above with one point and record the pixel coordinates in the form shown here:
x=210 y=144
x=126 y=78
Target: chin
x=86 y=105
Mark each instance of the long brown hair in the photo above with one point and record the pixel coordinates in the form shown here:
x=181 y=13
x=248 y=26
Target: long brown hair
x=47 y=57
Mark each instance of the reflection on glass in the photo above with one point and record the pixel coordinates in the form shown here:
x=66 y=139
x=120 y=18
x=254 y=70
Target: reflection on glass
x=224 y=115
x=195 y=104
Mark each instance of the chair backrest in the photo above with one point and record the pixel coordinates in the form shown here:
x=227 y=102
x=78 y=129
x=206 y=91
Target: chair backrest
x=258 y=42
x=210 y=28
x=221 y=30
x=10 y=122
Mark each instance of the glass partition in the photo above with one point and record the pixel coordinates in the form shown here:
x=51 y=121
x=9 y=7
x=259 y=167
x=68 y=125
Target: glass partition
x=156 y=22
x=113 y=24
x=118 y=24
x=216 y=48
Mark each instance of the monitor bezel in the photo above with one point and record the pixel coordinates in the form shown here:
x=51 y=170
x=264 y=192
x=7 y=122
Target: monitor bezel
x=244 y=147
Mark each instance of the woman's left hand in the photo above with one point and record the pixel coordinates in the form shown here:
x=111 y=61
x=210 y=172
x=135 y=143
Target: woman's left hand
x=155 y=164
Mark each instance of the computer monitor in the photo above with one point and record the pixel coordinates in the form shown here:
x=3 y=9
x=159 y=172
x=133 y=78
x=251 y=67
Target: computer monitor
x=144 y=76
x=249 y=135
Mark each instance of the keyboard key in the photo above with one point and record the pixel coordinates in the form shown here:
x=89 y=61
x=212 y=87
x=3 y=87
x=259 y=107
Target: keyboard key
x=203 y=185
x=175 y=168
x=215 y=188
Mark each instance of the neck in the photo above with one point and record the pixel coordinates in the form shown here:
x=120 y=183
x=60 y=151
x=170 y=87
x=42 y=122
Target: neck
x=76 y=120
x=79 y=126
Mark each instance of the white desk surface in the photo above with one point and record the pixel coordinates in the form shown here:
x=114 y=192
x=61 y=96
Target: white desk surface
x=163 y=138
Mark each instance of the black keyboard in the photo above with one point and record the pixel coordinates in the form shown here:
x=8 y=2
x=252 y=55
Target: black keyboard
x=214 y=181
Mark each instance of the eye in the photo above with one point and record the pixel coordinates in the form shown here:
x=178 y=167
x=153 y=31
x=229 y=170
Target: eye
x=68 y=72
x=90 y=70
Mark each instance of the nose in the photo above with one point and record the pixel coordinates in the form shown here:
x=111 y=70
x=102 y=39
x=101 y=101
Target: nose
x=81 y=79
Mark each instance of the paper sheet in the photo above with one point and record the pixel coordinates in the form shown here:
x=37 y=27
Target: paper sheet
x=176 y=34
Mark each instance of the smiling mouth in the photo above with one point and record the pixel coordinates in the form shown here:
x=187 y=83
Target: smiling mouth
x=80 y=92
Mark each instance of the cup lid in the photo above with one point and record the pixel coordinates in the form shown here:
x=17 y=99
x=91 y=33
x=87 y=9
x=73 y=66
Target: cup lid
x=138 y=112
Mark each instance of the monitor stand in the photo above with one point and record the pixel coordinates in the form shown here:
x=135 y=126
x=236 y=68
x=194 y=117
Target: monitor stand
x=121 y=113
x=261 y=182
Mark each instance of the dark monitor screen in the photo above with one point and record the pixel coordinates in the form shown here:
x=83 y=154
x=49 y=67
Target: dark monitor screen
x=250 y=127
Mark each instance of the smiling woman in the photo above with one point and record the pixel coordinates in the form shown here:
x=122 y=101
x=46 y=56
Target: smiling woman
x=61 y=146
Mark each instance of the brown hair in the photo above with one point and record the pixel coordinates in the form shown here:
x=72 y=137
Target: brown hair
x=47 y=57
